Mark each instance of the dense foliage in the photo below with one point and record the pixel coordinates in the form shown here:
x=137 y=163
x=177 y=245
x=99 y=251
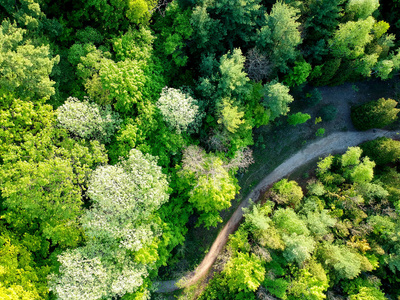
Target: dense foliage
x=339 y=239
x=125 y=122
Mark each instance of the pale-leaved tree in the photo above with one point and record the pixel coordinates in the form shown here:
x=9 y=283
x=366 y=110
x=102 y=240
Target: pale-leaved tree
x=178 y=109
x=88 y=120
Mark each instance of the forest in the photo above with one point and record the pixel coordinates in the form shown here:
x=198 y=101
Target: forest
x=127 y=125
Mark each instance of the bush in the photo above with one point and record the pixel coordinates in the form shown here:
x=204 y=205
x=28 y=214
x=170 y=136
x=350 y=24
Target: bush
x=328 y=112
x=313 y=97
x=374 y=114
x=298 y=118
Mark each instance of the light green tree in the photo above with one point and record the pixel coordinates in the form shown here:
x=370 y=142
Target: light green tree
x=244 y=272
x=298 y=248
x=362 y=9
x=350 y=38
x=212 y=185
x=231 y=117
x=277 y=99
x=24 y=67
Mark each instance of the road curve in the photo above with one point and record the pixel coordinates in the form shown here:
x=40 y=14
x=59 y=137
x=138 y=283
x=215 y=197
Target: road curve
x=334 y=143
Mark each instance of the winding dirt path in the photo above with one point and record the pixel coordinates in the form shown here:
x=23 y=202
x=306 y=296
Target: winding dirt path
x=334 y=143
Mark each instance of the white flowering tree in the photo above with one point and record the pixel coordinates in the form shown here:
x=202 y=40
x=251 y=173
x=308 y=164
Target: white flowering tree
x=179 y=110
x=125 y=197
x=88 y=120
x=122 y=229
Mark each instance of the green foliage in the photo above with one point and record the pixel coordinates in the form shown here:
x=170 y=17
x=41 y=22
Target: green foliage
x=173 y=31
x=212 y=186
x=287 y=221
x=231 y=118
x=44 y=173
x=351 y=38
x=277 y=99
x=289 y=192
x=319 y=222
x=374 y=114
x=307 y=285
x=24 y=67
x=351 y=157
x=357 y=171
x=122 y=229
x=244 y=272
x=233 y=81
x=320 y=132
x=298 y=248
x=277 y=287
x=218 y=25
x=328 y=112
x=20 y=277
x=323 y=18
x=368 y=293
x=299 y=74
x=361 y=9
x=282 y=21
x=346 y=263
x=298 y=118
x=382 y=150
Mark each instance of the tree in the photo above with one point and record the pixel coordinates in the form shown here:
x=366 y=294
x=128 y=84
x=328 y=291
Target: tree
x=125 y=196
x=319 y=222
x=231 y=117
x=309 y=283
x=180 y=111
x=257 y=65
x=20 y=277
x=233 y=81
x=221 y=25
x=345 y=262
x=374 y=114
x=279 y=36
x=277 y=99
x=350 y=39
x=24 y=67
x=88 y=120
x=244 y=272
x=298 y=75
x=322 y=19
x=361 y=9
x=85 y=274
x=298 y=248
x=382 y=150
x=289 y=192
x=288 y=222
x=212 y=186
x=43 y=172
x=122 y=229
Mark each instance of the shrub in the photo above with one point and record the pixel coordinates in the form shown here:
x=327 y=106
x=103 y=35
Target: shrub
x=374 y=114
x=328 y=112
x=313 y=97
x=298 y=118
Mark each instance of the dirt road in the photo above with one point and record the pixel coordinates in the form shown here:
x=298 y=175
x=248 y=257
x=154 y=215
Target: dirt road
x=334 y=143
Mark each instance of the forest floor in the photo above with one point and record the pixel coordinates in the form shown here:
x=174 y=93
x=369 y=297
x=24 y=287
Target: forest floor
x=277 y=154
